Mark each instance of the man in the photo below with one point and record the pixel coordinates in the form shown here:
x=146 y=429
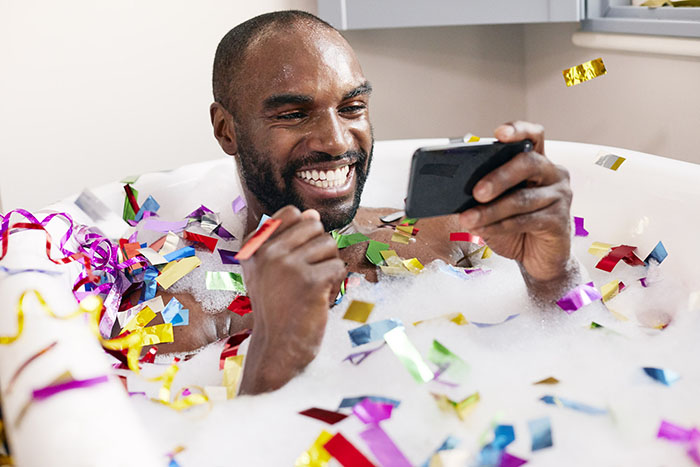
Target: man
x=292 y=106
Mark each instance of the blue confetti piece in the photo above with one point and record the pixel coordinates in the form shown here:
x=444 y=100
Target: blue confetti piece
x=352 y=401
x=262 y=220
x=175 y=313
x=541 y=433
x=488 y=325
x=149 y=205
x=503 y=436
x=553 y=400
x=185 y=252
x=12 y=272
x=492 y=453
x=666 y=377
x=658 y=254
x=449 y=444
x=150 y=284
x=373 y=331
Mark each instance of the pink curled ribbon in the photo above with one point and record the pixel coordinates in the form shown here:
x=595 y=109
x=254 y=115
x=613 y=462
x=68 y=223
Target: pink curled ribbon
x=50 y=391
x=678 y=434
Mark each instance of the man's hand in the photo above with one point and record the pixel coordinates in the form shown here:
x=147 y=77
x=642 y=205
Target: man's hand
x=290 y=280
x=531 y=224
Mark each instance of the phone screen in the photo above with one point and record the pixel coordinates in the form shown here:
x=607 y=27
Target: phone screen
x=442 y=178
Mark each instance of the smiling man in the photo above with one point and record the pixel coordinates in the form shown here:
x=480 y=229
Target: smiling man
x=292 y=106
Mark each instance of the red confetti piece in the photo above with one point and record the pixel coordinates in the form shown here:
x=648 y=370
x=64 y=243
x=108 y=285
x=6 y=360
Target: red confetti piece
x=240 y=305
x=617 y=254
x=466 y=237
x=24 y=365
x=327 y=416
x=209 y=242
x=256 y=241
x=232 y=345
x=347 y=454
x=132 y=199
x=158 y=244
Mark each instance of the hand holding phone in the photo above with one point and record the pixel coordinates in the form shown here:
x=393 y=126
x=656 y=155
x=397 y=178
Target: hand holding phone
x=442 y=178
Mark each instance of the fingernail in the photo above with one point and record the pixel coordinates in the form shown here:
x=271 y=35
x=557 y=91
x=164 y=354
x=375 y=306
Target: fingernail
x=483 y=190
x=508 y=130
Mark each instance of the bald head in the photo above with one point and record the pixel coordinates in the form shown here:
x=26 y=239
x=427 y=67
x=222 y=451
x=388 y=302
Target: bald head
x=231 y=54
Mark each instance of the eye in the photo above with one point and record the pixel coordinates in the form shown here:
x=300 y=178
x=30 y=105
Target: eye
x=291 y=116
x=353 y=109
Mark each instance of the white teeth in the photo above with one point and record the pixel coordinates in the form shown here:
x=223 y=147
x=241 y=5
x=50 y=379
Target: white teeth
x=324 y=184
x=307 y=174
x=330 y=175
x=314 y=174
x=338 y=174
x=325 y=178
x=322 y=175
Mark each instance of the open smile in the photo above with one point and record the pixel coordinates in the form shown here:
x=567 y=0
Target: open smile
x=327 y=182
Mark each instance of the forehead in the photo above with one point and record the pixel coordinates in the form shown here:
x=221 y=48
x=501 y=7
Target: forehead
x=307 y=60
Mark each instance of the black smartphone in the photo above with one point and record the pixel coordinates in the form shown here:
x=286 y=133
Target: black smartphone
x=443 y=177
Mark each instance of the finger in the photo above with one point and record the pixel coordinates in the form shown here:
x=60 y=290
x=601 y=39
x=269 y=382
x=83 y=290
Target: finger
x=552 y=219
x=293 y=237
x=317 y=249
x=518 y=131
x=327 y=273
x=311 y=214
x=532 y=167
x=289 y=215
x=512 y=204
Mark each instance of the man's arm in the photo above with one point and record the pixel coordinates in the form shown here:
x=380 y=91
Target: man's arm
x=531 y=224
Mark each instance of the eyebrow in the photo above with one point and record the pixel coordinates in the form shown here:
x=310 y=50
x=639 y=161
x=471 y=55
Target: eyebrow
x=278 y=100
x=363 y=89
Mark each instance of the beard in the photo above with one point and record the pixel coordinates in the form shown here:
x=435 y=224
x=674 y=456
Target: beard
x=276 y=190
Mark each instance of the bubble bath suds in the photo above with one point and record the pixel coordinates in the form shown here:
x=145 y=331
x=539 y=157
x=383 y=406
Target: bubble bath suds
x=600 y=367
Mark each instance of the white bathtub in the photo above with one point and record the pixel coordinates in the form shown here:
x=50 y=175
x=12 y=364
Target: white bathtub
x=649 y=199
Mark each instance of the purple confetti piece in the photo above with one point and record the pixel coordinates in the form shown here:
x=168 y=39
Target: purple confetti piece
x=49 y=391
x=228 y=256
x=223 y=233
x=372 y=412
x=383 y=448
x=238 y=204
x=579 y=231
x=359 y=357
x=509 y=460
x=673 y=432
x=163 y=226
x=644 y=282
x=199 y=212
x=579 y=297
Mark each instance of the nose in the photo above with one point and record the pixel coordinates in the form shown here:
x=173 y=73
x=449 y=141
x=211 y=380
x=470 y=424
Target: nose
x=330 y=134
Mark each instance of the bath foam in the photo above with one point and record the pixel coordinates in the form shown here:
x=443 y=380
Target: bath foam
x=599 y=367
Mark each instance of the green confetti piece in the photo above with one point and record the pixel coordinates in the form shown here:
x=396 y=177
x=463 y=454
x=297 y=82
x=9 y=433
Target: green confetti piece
x=443 y=357
x=408 y=220
x=374 y=250
x=408 y=355
x=225 y=281
x=129 y=214
x=345 y=241
x=595 y=325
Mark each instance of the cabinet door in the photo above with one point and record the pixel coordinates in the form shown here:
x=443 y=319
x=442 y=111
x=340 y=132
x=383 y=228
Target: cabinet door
x=377 y=14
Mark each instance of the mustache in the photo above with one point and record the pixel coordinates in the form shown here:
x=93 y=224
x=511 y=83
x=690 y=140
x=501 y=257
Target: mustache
x=349 y=157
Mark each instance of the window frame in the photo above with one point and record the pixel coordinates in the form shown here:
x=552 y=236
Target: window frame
x=615 y=17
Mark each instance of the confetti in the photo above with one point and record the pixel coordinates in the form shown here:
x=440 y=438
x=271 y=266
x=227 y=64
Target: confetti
x=225 y=281
x=462 y=408
x=611 y=289
x=24 y=365
x=352 y=401
x=150 y=205
x=240 y=305
x=162 y=226
x=259 y=237
x=383 y=448
x=584 y=72
x=412 y=265
x=579 y=297
x=209 y=242
x=186 y=252
x=52 y=390
x=549 y=380
x=466 y=237
x=131 y=207
x=232 y=344
x=373 y=253
x=233 y=370
x=369 y=411
x=373 y=331
x=449 y=444
x=610 y=161
x=228 y=257
x=359 y=357
x=316 y=455
x=140 y=320
x=599 y=249
x=488 y=325
x=345 y=453
x=658 y=254
x=509 y=460
x=666 y=377
x=408 y=355
x=678 y=434
x=541 y=433
x=444 y=358
x=618 y=253
x=327 y=416
x=358 y=311
x=579 y=230
x=490 y=454
x=175 y=313
x=238 y=204
x=560 y=402
x=152 y=256
x=344 y=241
x=175 y=271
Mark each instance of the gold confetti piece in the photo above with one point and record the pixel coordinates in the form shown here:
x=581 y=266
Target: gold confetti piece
x=171 y=244
x=316 y=455
x=462 y=408
x=459 y=320
x=609 y=161
x=400 y=238
x=167 y=378
x=599 y=249
x=176 y=270
x=618 y=316
x=141 y=319
x=386 y=254
x=487 y=252
x=584 y=72
x=394 y=270
x=407 y=229
x=359 y=311
x=413 y=265
x=158 y=334
x=550 y=380
x=610 y=290
x=233 y=369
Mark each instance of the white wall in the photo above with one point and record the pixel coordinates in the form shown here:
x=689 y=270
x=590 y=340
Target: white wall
x=91 y=91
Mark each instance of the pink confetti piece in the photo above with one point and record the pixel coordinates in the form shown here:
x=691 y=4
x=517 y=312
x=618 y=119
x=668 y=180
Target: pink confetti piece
x=383 y=448
x=238 y=204
x=163 y=226
x=579 y=231
x=509 y=460
x=579 y=297
x=678 y=434
x=49 y=391
x=372 y=412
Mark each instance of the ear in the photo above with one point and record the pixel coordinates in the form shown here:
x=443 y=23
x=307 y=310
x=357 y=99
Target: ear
x=224 y=130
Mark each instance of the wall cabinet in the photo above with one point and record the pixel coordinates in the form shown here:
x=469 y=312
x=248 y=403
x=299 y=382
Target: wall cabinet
x=376 y=14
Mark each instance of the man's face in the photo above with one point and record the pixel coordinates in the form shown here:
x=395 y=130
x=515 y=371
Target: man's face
x=302 y=124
